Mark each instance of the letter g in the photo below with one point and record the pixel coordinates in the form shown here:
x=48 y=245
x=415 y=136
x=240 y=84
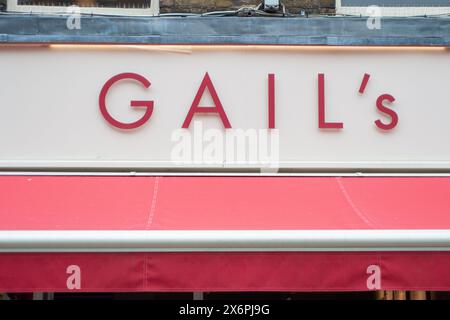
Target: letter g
x=133 y=103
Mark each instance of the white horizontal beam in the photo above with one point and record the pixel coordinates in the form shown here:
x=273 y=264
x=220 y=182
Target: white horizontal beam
x=224 y=240
x=168 y=164
x=219 y=174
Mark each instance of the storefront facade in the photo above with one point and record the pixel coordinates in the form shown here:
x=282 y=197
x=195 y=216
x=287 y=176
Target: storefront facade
x=224 y=154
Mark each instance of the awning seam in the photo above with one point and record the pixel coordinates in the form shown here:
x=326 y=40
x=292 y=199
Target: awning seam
x=153 y=205
x=355 y=209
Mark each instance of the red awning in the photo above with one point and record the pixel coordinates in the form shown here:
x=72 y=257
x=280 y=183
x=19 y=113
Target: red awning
x=269 y=233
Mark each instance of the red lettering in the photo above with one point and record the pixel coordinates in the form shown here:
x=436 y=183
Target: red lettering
x=134 y=103
x=391 y=113
x=217 y=108
x=195 y=108
x=271 y=101
x=322 y=123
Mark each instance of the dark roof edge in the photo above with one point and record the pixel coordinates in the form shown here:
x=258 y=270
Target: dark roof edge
x=333 y=31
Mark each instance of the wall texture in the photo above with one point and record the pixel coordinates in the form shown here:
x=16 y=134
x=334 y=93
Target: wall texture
x=197 y=6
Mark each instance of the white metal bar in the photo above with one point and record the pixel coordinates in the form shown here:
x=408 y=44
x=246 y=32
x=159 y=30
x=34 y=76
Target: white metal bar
x=399 y=11
x=153 y=10
x=224 y=240
x=12 y=164
x=222 y=174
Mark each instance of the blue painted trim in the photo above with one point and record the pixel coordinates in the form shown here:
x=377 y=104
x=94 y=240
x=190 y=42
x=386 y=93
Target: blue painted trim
x=333 y=31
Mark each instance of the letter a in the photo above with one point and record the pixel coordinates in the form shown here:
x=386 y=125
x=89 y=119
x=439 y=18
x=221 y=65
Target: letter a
x=74 y=280
x=206 y=83
x=374 y=280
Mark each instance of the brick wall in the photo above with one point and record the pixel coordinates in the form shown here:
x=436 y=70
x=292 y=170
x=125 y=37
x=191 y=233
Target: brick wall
x=196 y=6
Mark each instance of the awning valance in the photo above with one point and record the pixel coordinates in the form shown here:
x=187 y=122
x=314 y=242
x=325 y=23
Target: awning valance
x=223 y=233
